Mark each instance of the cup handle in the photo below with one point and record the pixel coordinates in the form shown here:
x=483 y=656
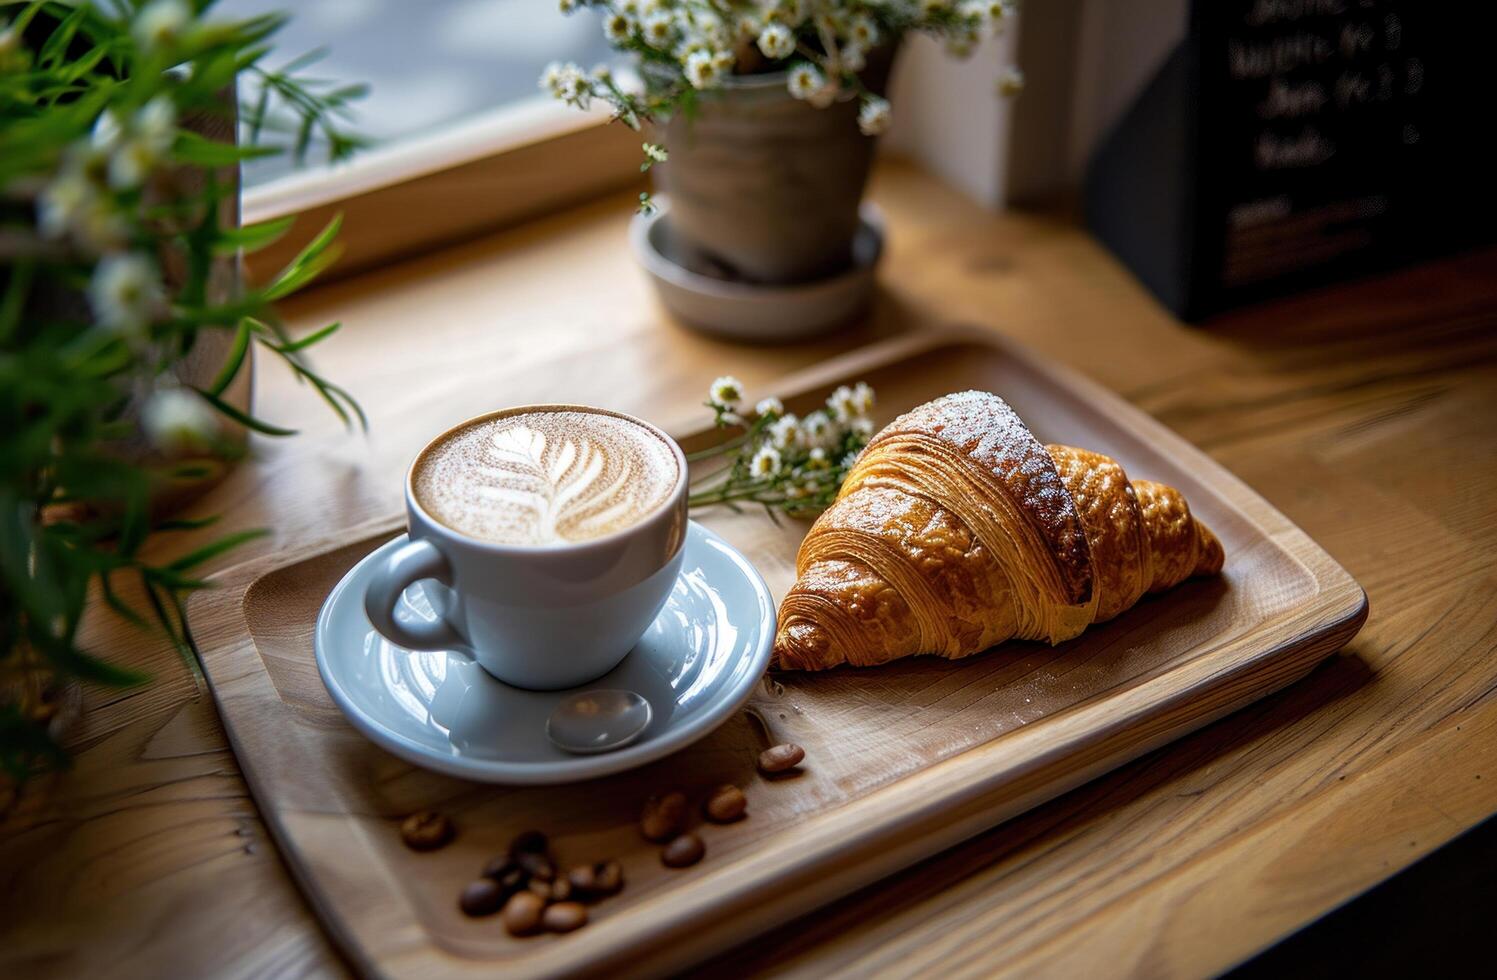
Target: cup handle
x=415 y=560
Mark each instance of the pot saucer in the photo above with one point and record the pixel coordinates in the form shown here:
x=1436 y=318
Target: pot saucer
x=755 y=312
x=696 y=665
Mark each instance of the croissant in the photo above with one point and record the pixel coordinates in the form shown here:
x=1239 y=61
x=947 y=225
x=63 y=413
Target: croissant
x=956 y=530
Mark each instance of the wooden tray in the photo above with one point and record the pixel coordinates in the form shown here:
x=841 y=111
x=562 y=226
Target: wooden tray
x=902 y=761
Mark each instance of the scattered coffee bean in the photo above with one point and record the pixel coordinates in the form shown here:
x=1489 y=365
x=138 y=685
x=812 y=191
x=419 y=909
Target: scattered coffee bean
x=482 y=897
x=559 y=890
x=610 y=878
x=778 y=758
x=683 y=852
x=726 y=804
x=426 y=830
x=583 y=878
x=565 y=916
x=530 y=842
x=522 y=913
x=592 y=881
x=537 y=866
x=499 y=867
x=663 y=817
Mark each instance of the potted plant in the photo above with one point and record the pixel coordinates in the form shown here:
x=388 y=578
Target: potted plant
x=126 y=330
x=767 y=110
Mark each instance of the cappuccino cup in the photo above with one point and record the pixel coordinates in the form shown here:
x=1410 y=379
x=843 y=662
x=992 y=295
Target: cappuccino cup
x=547 y=539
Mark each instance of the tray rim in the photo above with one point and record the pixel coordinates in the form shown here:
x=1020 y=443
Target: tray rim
x=933 y=808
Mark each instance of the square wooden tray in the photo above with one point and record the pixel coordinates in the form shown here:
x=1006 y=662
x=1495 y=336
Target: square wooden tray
x=902 y=761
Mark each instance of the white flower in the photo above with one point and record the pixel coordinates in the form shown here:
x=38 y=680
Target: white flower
x=863 y=31
x=817 y=460
x=566 y=6
x=863 y=397
x=702 y=70
x=723 y=61
x=842 y=404
x=602 y=73
x=125 y=293
x=973 y=10
x=776 y=42
x=551 y=78
x=817 y=429
x=655 y=152
x=62 y=204
x=1011 y=82
x=630 y=8
x=726 y=391
x=141 y=146
x=851 y=459
x=805 y=81
x=765 y=463
x=106 y=132
x=784 y=431
x=770 y=406
x=177 y=419
x=747 y=28
x=659 y=29
x=794 y=492
x=853 y=58
x=568 y=83
x=618 y=27
x=873 y=116
x=961 y=45
x=161 y=23
x=862 y=426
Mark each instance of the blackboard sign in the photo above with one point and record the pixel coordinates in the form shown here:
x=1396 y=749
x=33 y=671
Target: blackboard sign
x=1287 y=143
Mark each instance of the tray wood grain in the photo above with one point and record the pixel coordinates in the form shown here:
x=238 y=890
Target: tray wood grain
x=902 y=761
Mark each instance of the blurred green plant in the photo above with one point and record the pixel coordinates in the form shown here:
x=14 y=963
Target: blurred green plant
x=116 y=224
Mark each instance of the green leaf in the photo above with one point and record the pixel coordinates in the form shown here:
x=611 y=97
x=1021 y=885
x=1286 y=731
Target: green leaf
x=215 y=548
x=316 y=336
x=199 y=151
x=243 y=418
x=309 y=262
x=252 y=238
x=235 y=360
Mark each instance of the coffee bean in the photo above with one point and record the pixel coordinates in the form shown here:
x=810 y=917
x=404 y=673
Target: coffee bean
x=726 y=804
x=482 y=897
x=565 y=916
x=683 y=852
x=778 y=758
x=663 y=817
x=559 y=890
x=583 y=878
x=530 y=842
x=522 y=913
x=537 y=866
x=609 y=878
x=599 y=880
x=499 y=867
x=426 y=830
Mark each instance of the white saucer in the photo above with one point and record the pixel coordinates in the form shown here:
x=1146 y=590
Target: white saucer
x=697 y=664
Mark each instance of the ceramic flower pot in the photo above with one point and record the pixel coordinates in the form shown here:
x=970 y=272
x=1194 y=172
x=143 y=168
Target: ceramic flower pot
x=767 y=186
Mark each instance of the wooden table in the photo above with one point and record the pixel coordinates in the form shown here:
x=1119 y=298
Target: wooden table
x=1367 y=413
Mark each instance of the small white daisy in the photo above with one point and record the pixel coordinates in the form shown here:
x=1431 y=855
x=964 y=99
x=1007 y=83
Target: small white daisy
x=726 y=390
x=974 y=10
x=817 y=459
x=842 y=404
x=805 y=81
x=784 y=431
x=617 y=27
x=160 y=23
x=862 y=426
x=178 y=420
x=874 y=116
x=701 y=70
x=765 y=463
x=776 y=41
x=817 y=429
x=863 y=397
x=853 y=58
x=863 y=30
x=659 y=30
x=770 y=406
x=125 y=292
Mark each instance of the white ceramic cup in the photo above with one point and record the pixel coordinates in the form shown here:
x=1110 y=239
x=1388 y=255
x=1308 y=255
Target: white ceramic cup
x=543 y=617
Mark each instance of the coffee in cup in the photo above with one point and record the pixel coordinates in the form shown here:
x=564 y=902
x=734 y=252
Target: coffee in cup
x=546 y=539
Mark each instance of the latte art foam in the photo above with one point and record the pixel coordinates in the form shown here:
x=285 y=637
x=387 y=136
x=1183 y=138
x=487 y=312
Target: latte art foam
x=546 y=477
